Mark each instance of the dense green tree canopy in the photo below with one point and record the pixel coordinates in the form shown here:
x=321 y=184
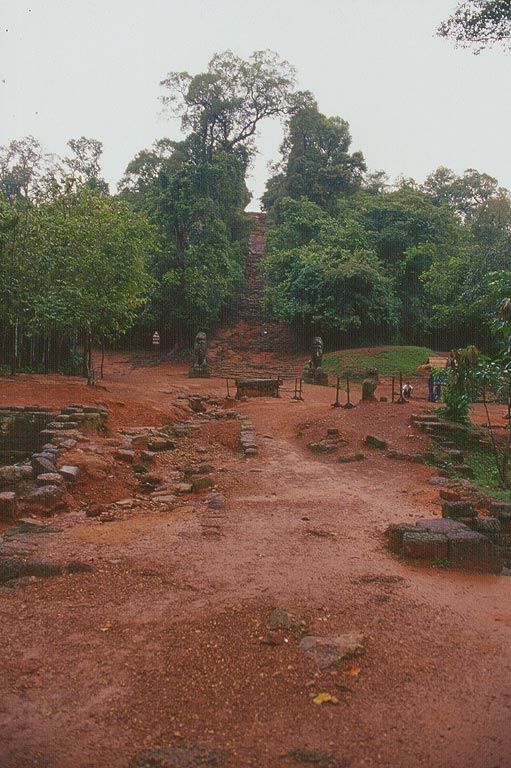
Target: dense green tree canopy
x=316 y=162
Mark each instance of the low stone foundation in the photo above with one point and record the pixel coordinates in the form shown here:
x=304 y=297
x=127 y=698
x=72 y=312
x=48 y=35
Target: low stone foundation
x=445 y=542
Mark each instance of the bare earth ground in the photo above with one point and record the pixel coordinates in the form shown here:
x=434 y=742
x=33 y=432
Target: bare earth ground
x=160 y=644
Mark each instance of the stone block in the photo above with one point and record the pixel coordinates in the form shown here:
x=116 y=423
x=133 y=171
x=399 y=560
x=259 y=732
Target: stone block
x=471 y=551
x=68 y=443
x=147 y=457
x=375 y=442
x=123 y=454
x=201 y=483
x=455 y=509
x=42 y=464
x=422 y=545
x=463 y=469
x=327 y=651
x=455 y=456
x=395 y=533
x=501 y=510
x=323 y=447
x=155 y=444
x=10 y=475
x=69 y=473
x=46 y=499
x=447 y=494
x=350 y=457
x=49 y=478
x=444 y=525
x=7 y=505
x=489 y=526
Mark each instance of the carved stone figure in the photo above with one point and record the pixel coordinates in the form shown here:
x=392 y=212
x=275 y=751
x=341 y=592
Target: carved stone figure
x=315 y=373
x=316 y=360
x=369 y=384
x=200 y=367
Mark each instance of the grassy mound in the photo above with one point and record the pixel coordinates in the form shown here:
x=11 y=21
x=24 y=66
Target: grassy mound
x=388 y=360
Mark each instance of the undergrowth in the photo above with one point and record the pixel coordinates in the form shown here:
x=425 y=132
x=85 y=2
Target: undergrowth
x=388 y=360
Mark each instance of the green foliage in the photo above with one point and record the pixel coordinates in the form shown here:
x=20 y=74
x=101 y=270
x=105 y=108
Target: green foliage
x=331 y=282
x=223 y=107
x=316 y=163
x=479 y=24
x=199 y=211
x=486 y=475
x=388 y=360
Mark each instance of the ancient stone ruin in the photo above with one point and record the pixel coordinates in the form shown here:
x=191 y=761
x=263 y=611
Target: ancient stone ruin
x=32 y=439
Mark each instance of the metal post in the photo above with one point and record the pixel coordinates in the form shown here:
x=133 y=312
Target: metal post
x=348 y=404
x=337 y=403
x=400 y=399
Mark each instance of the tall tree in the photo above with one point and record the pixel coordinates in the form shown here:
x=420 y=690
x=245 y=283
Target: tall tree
x=479 y=24
x=316 y=160
x=224 y=106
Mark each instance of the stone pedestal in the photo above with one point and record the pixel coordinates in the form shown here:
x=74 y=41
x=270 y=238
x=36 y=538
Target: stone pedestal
x=199 y=372
x=318 y=377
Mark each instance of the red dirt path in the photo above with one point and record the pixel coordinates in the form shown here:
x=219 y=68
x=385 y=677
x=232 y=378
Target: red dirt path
x=161 y=643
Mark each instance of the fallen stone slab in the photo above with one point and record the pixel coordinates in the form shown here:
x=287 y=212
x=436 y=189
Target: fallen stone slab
x=327 y=651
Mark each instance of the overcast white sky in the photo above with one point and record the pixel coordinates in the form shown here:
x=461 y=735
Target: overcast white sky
x=92 y=67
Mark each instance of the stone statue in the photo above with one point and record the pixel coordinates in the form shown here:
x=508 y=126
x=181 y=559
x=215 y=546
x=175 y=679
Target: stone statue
x=200 y=367
x=316 y=354
x=315 y=374
x=369 y=384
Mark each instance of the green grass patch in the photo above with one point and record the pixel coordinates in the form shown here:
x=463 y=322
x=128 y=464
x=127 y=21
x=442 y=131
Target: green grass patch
x=485 y=476
x=389 y=361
